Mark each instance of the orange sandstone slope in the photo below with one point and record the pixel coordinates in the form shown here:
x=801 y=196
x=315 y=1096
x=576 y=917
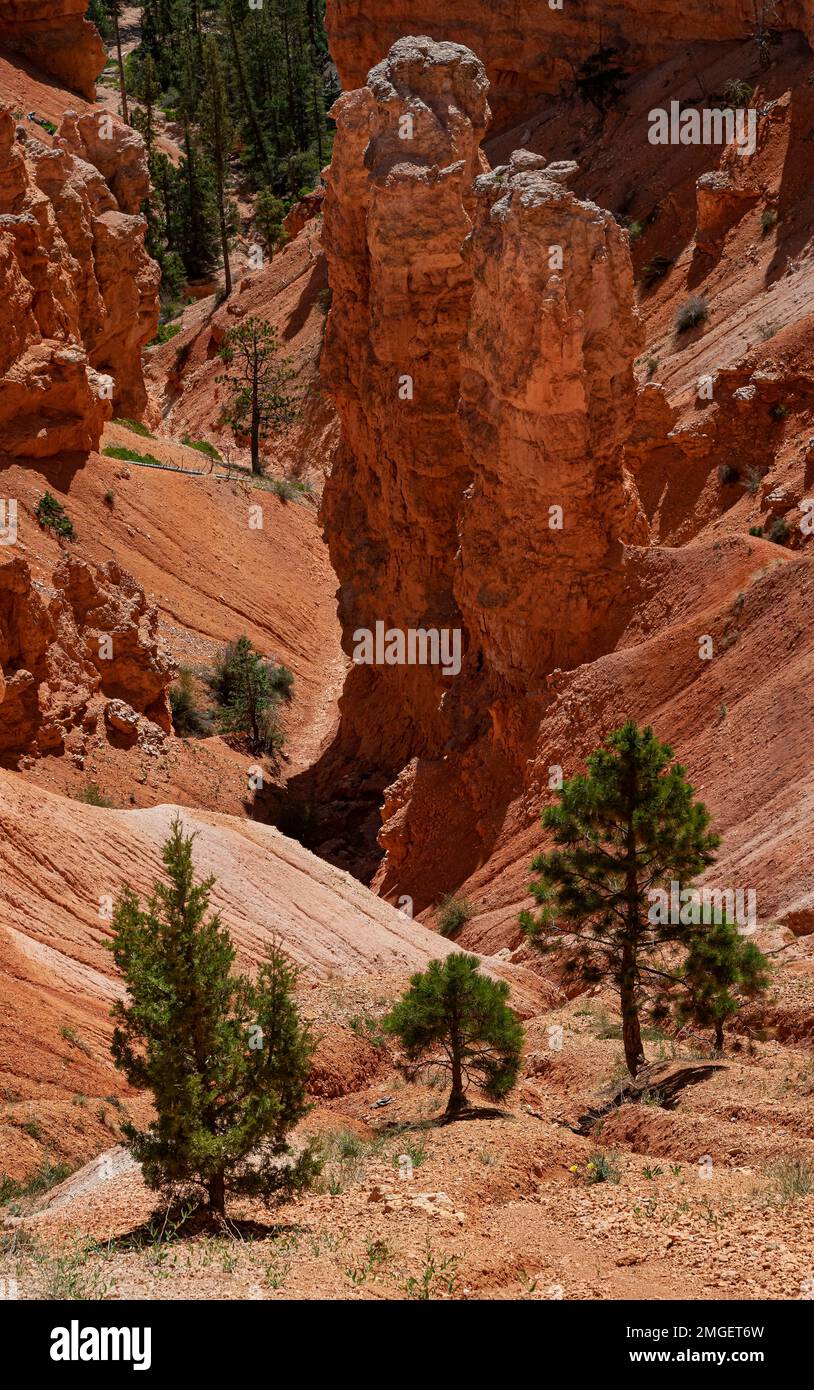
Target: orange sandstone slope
x=60 y=862
x=290 y=292
x=187 y=539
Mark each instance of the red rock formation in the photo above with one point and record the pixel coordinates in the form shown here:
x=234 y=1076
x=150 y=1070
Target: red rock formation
x=112 y=147
x=405 y=157
x=547 y=400
x=533 y=48
x=505 y=296
x=82 y=291
x=61 y=661
x=55 y=36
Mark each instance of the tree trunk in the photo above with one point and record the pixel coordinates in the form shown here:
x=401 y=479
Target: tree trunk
x=224 y=234
x=217 y=1195
x=631 y=1030
x=719 y=1037
x=125 y=113
x=255 y=427
x=457 y=1096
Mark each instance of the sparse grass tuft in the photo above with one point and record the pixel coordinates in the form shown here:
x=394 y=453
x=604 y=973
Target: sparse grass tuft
x=792 y=1177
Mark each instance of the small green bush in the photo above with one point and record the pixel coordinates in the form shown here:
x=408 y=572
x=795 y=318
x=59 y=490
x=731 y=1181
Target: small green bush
x=92 y=796
x=46 y=1176
x=188 y=718
x=453 y=912
x=52 y=516
x=118 y=451
x=737 y=92
x=601 y=1168
x=768 y=219
x=656 y=269
x=166 y=332
x=691 y=313
x=203 y=446
x=284 y=489
x=779 y=411
x=778 y=531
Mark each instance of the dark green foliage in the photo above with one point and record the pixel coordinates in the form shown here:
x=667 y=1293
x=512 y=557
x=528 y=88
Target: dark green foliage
x=656 y=269
x=225 y=1058
x=52 y=516
x=453 y=912
x=187 y=716
x=600 y=78
x=97 y=13
x=720 y=969
x=166 y=332
x=626 y=827
x=259 y=397
x=269 y=211
x=454 y=1018
x=277 y=73
x=243 y=684
x=778 y=531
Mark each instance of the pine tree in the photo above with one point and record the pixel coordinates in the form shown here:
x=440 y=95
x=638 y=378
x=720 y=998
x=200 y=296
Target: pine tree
x=454 y=1018
x=225 y=1058
x=721 y=969
x=248 y=698
x=216 y=125
x=257 y=378
x=626 y=828
x=269 y=211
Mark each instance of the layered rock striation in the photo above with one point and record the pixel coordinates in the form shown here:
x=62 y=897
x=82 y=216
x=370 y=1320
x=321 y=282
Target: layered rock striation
x=536 y=47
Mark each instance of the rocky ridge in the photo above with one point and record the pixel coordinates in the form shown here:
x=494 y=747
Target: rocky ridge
x=82 y=291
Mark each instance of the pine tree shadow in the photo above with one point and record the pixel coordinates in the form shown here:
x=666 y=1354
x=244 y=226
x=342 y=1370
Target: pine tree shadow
x=185 y=1221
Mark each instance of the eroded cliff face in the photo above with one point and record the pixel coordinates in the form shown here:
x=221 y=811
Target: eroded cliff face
x=547 y=401
x=491 y=498
x=88 y=653
x=82 y=293
x=55 y=36
x=405 y=159
x=533 y=48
